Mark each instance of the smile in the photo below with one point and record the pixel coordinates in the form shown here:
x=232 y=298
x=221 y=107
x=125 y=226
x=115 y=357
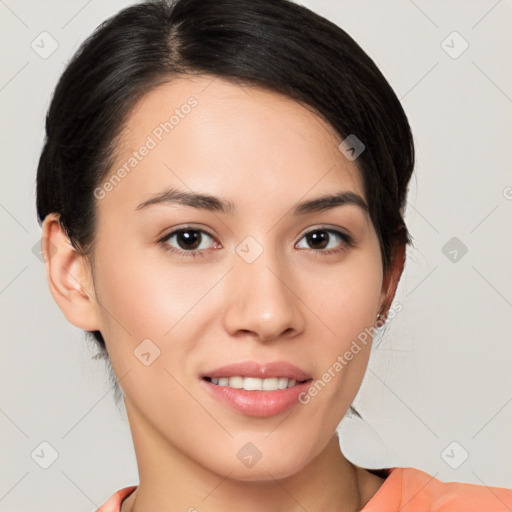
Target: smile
x=254 y=383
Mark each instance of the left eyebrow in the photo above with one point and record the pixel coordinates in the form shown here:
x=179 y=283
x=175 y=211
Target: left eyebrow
x=217 y=204
x=331 y=201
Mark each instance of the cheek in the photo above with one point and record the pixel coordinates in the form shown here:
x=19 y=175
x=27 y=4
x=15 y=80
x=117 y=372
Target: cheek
x=347 y=300
x=144 y=295
x=347 y=306
x=144 y=290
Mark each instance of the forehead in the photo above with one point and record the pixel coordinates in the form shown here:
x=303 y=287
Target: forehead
x=207 y=134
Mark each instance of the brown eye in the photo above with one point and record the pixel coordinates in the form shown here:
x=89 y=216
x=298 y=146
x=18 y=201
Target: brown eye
x=322 y=239
x=318 y=239
x=187 y=241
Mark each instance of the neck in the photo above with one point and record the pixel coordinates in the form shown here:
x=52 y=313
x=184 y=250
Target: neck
x=169 y=481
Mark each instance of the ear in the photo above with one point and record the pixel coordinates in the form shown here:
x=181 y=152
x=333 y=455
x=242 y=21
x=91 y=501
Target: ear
x=392 y=277
x=69 y=276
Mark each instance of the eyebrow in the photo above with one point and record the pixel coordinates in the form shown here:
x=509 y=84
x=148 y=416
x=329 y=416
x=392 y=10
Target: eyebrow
x=208 y=202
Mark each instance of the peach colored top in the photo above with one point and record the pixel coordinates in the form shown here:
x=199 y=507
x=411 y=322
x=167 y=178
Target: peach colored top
x=406 y=490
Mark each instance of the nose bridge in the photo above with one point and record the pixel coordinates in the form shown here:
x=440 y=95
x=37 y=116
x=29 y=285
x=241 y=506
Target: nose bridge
x=259 y=295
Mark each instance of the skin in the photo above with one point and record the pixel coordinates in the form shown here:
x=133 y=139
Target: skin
x=265 y=153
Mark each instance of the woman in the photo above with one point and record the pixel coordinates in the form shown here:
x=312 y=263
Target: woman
x=221 y=195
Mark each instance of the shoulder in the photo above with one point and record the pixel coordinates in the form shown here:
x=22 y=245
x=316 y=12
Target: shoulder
x=420 y=487
x=113 y=504
x=413 y=490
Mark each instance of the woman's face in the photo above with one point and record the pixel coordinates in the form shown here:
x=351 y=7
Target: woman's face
x=266 y=284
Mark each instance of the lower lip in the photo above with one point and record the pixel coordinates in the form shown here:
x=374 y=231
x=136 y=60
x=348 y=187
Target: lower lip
x=260 y=404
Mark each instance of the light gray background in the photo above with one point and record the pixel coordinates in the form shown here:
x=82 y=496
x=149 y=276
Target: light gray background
x=440 y=374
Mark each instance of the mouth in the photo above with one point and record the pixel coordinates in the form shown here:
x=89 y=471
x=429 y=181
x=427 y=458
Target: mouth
x=257 y=389
x=256 y=397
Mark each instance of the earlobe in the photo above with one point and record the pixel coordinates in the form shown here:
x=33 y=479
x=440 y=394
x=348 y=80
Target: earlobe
x=68 y=275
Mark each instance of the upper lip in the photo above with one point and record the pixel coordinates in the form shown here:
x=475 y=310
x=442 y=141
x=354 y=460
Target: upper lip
x=259 y=370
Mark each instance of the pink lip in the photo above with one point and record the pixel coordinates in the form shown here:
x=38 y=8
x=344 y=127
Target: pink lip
x=259 y=370
x=260 y=404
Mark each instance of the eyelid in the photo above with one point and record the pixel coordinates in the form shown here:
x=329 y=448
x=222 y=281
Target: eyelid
x=325 y=227
x=184 y=227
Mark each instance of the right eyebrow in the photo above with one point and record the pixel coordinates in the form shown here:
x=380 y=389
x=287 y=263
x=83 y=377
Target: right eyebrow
x=173 y=196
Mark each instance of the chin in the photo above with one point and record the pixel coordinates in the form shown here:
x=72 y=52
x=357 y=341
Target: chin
x=264 y=473
x=277 y=464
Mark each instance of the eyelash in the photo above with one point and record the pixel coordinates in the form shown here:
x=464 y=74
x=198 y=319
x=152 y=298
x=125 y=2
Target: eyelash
x=347 y=239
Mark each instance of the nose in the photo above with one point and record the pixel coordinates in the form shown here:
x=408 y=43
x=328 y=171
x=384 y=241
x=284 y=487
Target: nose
x=260 y=299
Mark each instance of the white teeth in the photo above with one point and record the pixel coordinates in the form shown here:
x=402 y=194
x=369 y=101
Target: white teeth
x=269 y=384
x=282 y=383
x=253 y=383
x=236 y=382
